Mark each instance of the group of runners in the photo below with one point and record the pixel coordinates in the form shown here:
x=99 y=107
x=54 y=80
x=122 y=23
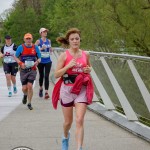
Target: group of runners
x=27 y=57
x=74 y=88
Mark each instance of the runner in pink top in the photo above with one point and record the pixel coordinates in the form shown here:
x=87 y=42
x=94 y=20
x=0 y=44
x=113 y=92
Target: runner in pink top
x=71 y=63
x=68 y=99
x=81 y=62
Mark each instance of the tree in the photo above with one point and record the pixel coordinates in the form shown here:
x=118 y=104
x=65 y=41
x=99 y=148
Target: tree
x=106 y=25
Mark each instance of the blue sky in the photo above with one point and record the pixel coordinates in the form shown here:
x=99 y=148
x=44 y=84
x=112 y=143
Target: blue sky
x=5 y=4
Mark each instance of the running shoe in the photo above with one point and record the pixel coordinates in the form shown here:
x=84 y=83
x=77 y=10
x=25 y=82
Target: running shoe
x=80 y=148
x=41 y=93
x=24 y=100
x=46 y=95
x=30 y=106
x=65 y=142
x=15 y=90
x=9 y=94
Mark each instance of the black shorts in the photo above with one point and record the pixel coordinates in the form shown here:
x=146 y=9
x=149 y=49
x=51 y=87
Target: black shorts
x=10 y=68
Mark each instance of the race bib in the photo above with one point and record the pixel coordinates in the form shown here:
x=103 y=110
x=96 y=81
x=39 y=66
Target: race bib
x=45 y=54
x=7 y=59
x=29 y=63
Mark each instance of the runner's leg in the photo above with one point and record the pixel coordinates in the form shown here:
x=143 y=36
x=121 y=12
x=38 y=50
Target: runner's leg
x=30 y=91
x=47 y=72
x=13 y=79
x=7 y=70
x=14 y=70
x=80 y=113
x=8 y=80
x=41 y=75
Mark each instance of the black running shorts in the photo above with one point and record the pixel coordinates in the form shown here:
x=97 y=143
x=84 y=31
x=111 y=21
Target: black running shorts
x=10 y=68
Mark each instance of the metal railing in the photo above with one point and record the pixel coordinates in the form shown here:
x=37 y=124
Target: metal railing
x=122 y=82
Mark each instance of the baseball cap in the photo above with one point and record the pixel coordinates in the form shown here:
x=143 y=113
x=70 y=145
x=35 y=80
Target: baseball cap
x=7 y=37
x=43 y=29
x=28 y=35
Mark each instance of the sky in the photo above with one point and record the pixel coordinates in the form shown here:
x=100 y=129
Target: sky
x=5 y=4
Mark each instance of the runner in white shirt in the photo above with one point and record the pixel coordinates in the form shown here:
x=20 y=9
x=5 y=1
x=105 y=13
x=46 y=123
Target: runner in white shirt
x=10 y=66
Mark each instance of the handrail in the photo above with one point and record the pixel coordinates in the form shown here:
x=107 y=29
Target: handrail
x=127 y=56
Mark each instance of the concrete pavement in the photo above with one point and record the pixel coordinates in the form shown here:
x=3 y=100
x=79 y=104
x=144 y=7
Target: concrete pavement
x=8 y=104
x=41 y=128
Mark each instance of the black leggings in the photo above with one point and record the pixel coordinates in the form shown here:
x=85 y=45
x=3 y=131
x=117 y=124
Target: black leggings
x=44 y=71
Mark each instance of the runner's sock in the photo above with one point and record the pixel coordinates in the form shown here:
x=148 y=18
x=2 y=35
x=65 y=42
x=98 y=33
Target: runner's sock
x=14 y=88
x=14 y=85
x=9 y=88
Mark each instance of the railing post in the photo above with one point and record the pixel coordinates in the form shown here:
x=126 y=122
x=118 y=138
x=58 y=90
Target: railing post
x=140 y=84
x=106 y=99
x=120 y=94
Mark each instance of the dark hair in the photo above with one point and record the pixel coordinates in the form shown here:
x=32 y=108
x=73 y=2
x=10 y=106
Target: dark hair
x=7 y=37
x=65 y=40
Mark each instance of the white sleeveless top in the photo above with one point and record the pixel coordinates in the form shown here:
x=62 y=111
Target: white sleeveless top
x=9 y=54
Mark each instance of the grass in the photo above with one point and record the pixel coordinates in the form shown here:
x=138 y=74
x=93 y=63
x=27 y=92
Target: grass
x=144 y=120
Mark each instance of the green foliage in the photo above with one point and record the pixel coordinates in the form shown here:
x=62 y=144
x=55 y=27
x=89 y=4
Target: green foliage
x=106 y=25
x=17 y=25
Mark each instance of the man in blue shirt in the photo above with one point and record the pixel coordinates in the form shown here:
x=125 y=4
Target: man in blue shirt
x=28 y=56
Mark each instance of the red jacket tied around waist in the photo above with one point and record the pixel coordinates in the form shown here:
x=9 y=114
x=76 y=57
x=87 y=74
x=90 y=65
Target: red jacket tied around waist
x=83 y=79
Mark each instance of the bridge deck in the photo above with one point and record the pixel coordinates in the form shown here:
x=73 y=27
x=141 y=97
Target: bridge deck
x=41 y=128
